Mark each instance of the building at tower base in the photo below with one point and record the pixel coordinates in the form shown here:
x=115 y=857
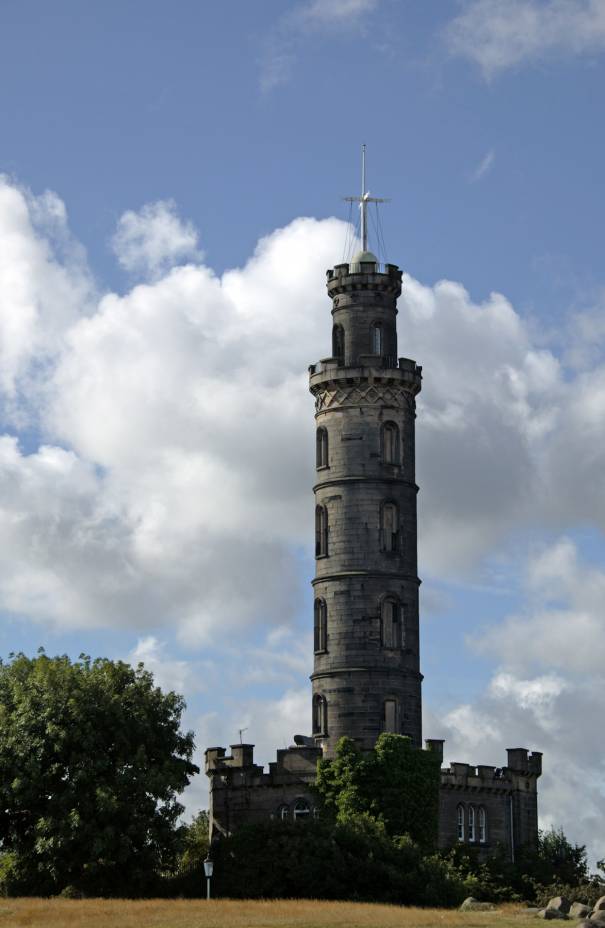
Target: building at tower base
x=366 y=677
x=485 y=807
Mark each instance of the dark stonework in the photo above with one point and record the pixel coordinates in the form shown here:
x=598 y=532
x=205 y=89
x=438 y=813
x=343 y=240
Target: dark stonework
x=356 y=395
x=366 y=677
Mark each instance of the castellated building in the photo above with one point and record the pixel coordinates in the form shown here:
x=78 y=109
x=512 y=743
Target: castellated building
x=366 y=677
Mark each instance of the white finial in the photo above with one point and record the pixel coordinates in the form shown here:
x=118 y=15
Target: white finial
x=363 y=201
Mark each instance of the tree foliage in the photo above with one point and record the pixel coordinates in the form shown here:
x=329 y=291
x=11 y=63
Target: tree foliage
x=92 y=760
x=394 y=784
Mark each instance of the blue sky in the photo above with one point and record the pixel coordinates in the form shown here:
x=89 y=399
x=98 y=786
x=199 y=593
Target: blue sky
x=161 y=297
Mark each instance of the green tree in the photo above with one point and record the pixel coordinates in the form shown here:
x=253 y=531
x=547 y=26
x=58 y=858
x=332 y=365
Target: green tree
x=92 y=760
x=394 y=784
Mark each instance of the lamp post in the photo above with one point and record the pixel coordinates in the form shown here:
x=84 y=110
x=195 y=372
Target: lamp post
x=208 y=868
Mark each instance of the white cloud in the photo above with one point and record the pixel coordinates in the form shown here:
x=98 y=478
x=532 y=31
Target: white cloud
x=562 y=625
x=180 y=676
x=282 y=44
x=44 y=285
x=179 y=418
x=173 y=488
x=498 y=36
x=484 y=166
x=154 y=239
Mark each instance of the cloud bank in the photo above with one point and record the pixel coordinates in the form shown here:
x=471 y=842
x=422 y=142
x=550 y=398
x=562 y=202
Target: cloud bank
x=168 y=483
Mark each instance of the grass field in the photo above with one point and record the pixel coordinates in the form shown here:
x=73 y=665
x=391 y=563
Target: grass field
x=299 y=913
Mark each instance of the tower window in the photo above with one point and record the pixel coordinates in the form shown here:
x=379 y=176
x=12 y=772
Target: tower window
x=338 y=343
x=321 y=531
x=320 y=715
x=283 y=813
x=390 y=527
x=482 y=825
x=321 y=447
x=460 y=822
x=390 y=443
x=376 y=338
x=302 y=810
x=389 y=716
x=471 y=824
x=320 y=625
x=391 y=624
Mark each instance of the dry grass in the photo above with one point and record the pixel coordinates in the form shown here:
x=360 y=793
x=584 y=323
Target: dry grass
x=224 y=913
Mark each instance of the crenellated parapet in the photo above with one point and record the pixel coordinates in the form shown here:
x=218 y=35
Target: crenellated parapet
x=242 y=792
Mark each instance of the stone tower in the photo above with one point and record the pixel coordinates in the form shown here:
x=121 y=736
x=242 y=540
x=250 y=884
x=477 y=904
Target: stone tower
x=366 y=676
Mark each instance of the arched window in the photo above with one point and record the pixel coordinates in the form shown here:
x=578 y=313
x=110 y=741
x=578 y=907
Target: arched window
x=390 y=443
x=338 y=343
x=482 y=825
x=283 y=813
x=376 y=338
x=321 y=531
x=320 y=625
x=391 y=623
x=320 y=715
x=389 y=716
x=460 y=822
x=471 y=824
x=321 y=447
x=302 y=810
x=389 y=527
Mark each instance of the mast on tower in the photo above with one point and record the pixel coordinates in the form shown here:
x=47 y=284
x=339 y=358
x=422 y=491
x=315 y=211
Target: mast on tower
x=363 y=201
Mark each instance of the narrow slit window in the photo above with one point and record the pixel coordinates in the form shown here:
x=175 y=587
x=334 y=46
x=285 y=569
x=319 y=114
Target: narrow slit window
x=320 y=625
x=390 y=443
x=391 y=624
x=321 y=531
x=320 y=715
x=321 y=447
x=390 y=716
x=482 y=825
x=390 y=527
x=338 y=343
x=460 y=822
x=283 y=813
x=471 y=823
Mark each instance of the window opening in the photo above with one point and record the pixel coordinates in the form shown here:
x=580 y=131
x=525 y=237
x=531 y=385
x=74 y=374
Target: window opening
x=471 y=823
x=482 y=825
x=302 y=810
x=390 y=716
x=390 y=527
x=321 y=531
x=320 y=625
x=321 y=447
x=283 y=812
x=460 y=821
x=320 y=715
x=391 y=624
x=390 y=443
x=338 y=343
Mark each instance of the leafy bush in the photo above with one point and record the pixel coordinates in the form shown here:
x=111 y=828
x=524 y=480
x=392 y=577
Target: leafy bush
x=555 y=867
x=394 y=783
x=356 y=860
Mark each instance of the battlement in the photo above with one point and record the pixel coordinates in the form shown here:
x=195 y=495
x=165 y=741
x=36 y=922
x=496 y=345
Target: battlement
x=297 y=759
x=366 y=275
x=522 y=770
